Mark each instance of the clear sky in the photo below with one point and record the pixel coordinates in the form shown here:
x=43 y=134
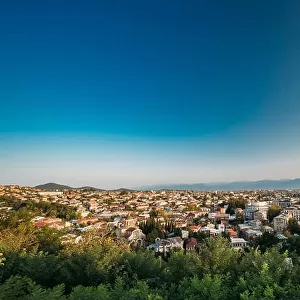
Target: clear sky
x=130 y=93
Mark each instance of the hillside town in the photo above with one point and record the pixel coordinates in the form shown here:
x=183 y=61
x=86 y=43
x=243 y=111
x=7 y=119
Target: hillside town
x=183 y=216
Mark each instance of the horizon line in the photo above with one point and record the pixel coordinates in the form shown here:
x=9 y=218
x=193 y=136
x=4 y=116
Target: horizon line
x=152 y=185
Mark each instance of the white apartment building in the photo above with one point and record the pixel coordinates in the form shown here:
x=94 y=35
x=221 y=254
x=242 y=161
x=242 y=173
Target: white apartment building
x=280 y=222
x=292 y=212
x=261 y=207
x=238 y=243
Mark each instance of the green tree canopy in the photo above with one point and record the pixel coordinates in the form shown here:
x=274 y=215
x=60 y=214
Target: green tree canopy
x=273 y=211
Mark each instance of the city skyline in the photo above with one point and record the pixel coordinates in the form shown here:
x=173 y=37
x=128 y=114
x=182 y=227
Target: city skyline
x=130 y=94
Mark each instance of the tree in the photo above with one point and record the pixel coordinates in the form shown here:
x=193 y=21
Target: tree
x=273 y=211
x=48 y=240
x=139 y=290
x=152 y=229
x=292 y=245
x=234 y=203
x=141 y=266
x=293 y=226
x=217 y=256
x=267 y=240
x=2 y=259
x=209 y=287
x=33 y=265
x=239 y=218
x=80 y=292
x=261 y=275
x=153 y=213
x=23 y=288
x=17 y=239
x=199 y=236
x=182 y=266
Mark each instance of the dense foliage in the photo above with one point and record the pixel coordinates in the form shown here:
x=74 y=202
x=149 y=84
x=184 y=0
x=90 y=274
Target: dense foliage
x=24 y=211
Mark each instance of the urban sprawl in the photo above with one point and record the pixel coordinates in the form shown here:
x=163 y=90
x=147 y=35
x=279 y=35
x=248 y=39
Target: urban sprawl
x=183 y=216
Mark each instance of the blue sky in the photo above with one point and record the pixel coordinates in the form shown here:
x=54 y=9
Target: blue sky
x=129 y=93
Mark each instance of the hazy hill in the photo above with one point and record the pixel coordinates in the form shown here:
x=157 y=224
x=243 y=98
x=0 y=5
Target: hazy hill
x=282 y=184
x=124 y=190
x=51 y=186
x=89 y=188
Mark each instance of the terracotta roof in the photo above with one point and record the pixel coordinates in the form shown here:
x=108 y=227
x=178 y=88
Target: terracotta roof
x=191 y=243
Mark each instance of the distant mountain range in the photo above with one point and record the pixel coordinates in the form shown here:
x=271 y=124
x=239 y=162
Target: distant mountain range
x=282 y=184
x=51 y=186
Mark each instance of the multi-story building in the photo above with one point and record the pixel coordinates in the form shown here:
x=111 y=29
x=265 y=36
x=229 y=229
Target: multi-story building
x=280 y=222
x=292 y=212
x=282 y=203
x=238 y=243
